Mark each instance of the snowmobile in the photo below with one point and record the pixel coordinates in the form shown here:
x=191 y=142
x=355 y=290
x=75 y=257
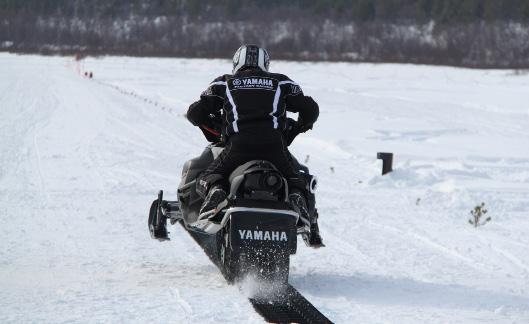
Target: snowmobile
x=254 y=231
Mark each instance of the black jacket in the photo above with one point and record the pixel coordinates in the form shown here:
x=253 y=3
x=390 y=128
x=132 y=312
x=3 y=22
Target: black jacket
x=252 y=102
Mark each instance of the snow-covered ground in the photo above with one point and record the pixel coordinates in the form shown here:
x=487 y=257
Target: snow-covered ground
x=82 y=159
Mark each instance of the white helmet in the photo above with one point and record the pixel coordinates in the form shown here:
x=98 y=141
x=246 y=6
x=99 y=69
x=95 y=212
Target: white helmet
x=251 y=56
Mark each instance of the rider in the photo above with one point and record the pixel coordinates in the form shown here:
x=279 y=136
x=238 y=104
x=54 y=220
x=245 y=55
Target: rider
x=250 y=106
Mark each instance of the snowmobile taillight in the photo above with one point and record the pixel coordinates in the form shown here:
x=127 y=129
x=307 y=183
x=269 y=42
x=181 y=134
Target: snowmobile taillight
x=272 y=181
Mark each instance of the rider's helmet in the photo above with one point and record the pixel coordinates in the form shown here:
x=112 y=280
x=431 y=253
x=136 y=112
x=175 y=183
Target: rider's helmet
x=250 y=56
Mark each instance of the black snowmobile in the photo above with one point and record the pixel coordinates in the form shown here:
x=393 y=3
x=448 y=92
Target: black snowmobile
x=254 y=231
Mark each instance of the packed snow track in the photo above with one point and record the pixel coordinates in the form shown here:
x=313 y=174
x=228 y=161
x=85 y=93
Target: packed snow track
x=81 y=160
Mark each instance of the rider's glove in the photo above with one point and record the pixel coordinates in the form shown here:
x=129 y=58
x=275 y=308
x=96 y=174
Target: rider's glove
x=302 y=126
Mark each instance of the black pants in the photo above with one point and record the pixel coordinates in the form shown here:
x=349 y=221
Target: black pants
x=241 y=149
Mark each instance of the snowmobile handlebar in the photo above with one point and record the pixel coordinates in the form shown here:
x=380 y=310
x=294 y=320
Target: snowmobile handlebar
x=210 y=130
x=292 y=129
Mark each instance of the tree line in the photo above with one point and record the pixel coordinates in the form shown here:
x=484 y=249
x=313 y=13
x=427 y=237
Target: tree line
x=476 y=33
x=355 y=10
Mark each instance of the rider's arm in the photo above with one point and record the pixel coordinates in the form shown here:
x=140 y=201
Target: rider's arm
x=200 y=111
x=307 y=108
x=206 y=112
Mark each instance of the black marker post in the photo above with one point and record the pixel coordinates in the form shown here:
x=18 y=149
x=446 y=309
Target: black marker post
x=387 y=162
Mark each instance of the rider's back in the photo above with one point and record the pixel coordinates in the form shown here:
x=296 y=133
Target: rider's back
x=254 y=103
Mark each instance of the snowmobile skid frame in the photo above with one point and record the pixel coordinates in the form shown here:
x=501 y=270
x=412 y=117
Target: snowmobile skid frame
x=239 y=245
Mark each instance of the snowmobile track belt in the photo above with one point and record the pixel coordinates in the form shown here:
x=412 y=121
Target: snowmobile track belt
x=293 y=309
